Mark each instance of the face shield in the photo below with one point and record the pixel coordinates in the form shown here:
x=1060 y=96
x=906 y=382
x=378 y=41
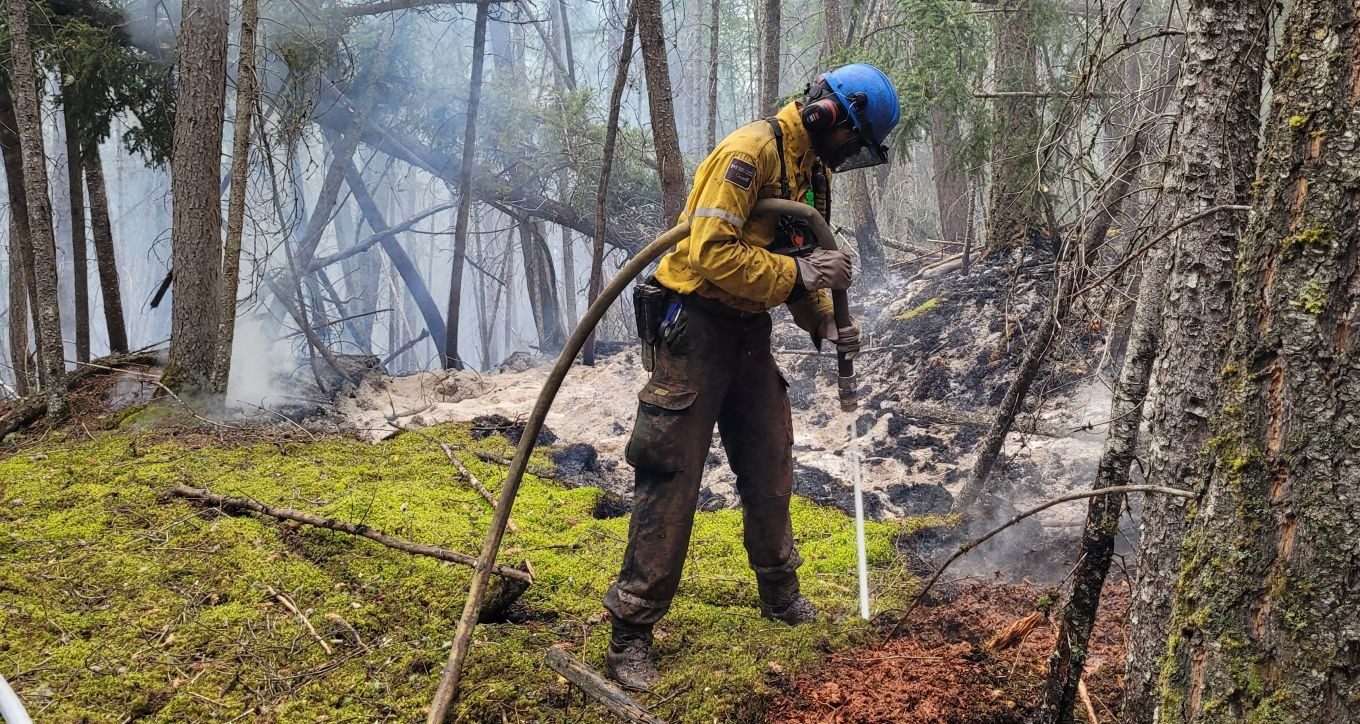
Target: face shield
x=861 y=151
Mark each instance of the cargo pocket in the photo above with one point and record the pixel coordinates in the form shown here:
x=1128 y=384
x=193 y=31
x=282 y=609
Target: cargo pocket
x=660 y=434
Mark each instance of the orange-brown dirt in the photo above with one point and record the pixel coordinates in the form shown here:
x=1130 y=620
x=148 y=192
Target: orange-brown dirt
x=938 y=670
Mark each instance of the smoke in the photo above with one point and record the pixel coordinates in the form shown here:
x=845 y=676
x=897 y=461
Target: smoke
x=262 y=365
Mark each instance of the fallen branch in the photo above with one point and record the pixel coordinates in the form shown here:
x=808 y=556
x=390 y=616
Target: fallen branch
x=28 y=410
x=288 y=604
x=970 y=545
x=1012 y=635
x=597 y=687
x=363 y=531
x=1086 y=701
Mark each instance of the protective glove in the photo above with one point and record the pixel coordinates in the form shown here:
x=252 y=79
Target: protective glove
x=823 y=269
x=846 y=338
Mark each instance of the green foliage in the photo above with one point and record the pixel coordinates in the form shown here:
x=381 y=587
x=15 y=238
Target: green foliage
x=116 y=603
x=919 y=310
x=936 y=56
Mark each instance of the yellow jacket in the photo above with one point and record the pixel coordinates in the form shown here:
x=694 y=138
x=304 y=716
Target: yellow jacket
x=724 y=257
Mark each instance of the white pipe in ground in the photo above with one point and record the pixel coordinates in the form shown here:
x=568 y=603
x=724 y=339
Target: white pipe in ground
x=852 y=455
x=11 y=709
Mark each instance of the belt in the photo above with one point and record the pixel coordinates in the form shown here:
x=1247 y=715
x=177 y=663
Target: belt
x=713 y=306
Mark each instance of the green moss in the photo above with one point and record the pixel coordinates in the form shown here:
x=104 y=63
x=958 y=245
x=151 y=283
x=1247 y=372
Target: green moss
x=1310 y=236
x=1297 y=121
x=119 y=604
x=919 y=310
x=1313 y=298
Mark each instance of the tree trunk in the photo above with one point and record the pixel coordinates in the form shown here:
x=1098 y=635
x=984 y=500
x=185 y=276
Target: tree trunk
x=670 y=165
x=18 y=310
x=715 y=14
x=110 y=287
x=951 y=185
x=1014 y=212
x=611 y=136
x=80 y=261
x=20 y=248
x=401 y=262
x=1217 y=132
x=1078 y=613
x=196 y=166
x=771 y=32
x=450 y=350
x=542 y=288
x=236 y=202
x=1263 y=627
x=28 y=123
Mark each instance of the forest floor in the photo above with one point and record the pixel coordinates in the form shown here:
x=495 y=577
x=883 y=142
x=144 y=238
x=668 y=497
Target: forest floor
x=119 y=603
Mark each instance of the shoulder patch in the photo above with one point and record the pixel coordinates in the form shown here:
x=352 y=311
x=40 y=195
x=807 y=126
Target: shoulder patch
x=740 y=174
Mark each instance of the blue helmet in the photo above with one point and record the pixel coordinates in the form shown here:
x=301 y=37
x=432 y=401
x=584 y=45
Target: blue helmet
x=871 y=101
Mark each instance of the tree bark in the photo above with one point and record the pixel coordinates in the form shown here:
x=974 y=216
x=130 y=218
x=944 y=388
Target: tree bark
x=195 y=182
x=450 y=350
x=1217 y=132
x=670 y=165
x=771 y=32
x=80 y=248
x=1263 y=626
x=611 y=135
x=18 y=309
x=28 y=123
x=951 y=184
x=236 y=201
x=110 y=286
x=1014 y=212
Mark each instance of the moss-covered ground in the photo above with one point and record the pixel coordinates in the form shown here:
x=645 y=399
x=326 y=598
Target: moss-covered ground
x=120 y=604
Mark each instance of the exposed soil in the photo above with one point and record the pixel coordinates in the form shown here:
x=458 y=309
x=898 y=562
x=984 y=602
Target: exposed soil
x=939 y=671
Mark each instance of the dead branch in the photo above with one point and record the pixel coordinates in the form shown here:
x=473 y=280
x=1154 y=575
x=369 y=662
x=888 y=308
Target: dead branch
x=421 y=549
x=387 y=6
x=1012 y=635
x=288 y=604
x=28 y=410
x=598 y=688
x=970 y=545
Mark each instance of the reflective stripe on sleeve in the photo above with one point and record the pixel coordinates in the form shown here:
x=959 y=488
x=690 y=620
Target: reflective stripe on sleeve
x=727 y=216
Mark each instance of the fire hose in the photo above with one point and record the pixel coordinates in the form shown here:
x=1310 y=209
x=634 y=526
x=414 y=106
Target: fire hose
x=846 y=390
x=11 y=709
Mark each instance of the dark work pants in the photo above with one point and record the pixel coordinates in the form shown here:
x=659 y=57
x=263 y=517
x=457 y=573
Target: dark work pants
x=719 y=371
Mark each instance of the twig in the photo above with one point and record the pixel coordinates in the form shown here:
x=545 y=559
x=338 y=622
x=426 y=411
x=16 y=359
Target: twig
x=970 y=545
x=288 y=604
x=363 y=531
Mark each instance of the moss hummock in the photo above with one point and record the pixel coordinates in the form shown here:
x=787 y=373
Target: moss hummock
x=117 y=603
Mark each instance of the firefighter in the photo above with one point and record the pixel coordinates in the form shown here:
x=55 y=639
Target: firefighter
x=706 y=332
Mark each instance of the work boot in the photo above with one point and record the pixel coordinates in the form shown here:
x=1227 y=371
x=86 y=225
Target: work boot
x=629 y=658
x=792 y=610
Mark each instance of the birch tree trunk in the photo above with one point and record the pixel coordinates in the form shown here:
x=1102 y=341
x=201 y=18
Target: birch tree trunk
x=80 y=248
x=1217 y=132
x=460 y=233
x=670 y=165
x=28 y=123
x=110 y=286
x=236 y=202
x=195 y=182
x=1264 y=623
